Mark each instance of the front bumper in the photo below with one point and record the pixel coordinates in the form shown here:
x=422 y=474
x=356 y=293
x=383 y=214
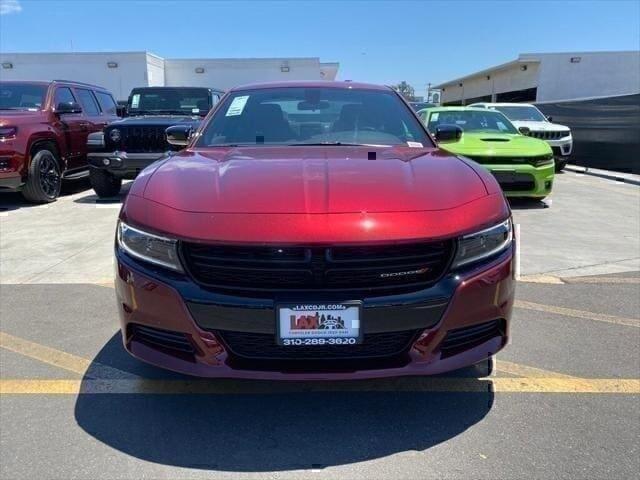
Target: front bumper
x=123 y=164
x=562 y=147
x=172 y=303
x=524 y=180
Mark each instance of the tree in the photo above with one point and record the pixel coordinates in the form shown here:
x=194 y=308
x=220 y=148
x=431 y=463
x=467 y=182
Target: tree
x=406 y=90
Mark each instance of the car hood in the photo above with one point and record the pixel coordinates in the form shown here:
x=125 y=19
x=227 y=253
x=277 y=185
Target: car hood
x=157 y=120
x=20 y=117
x=311 y=180
x=497 y=144
x=540 y=126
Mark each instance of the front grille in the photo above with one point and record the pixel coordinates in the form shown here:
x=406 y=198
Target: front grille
x=264 y=271
x=138 y=139
x=515 y=182
x=175 y=343
x=461 y=339
x=535 y=160
x=549 y=135
x=262 y=346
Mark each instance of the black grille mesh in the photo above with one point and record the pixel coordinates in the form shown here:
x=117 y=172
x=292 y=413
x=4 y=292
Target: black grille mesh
x=138 y=139
x=381 y=268
x=264 y=346
x=464 y=338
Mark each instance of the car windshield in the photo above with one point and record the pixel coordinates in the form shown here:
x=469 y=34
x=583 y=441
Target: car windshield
x=189 y=101
x=471 y=121
x=22 y=96
x=313 y=116
x=522 y=113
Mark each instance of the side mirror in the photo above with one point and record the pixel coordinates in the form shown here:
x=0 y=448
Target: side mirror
x=68 y=107
x=121 y=111
x=524 y=130
x=179 y=135
x=550 y=118
x=448 y=133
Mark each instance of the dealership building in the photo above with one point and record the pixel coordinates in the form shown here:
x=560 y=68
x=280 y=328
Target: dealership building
x=596 y=94
x=548 y=77
x=120 y=72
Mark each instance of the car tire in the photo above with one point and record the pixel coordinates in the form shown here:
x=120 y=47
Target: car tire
x=560 y=165
x=485 y=367
x=104 y=183
x=44 y=177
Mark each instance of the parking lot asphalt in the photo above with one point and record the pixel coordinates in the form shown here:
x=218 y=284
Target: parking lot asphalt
x=563 y=401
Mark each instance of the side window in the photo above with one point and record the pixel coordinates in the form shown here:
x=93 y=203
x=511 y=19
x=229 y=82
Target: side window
x=87 y=102
x=63 y=95
x=107 y=103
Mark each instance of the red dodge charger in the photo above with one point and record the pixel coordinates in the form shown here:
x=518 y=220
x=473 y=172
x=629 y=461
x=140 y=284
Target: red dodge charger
x=313 y=230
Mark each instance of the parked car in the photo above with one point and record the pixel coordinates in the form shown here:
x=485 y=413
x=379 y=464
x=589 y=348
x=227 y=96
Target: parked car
x=43 y=134
x=527 y=115
x=128 y=145
x=421 y=105
x=523 y=166
x=313 y=230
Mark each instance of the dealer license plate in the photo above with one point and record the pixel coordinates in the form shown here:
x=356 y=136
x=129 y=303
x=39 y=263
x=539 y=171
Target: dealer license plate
x=319 y=324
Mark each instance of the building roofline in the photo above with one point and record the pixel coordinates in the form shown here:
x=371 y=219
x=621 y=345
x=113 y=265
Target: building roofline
x=524 y=58
x=136 y=52
x=239 y=58
x=495 y=68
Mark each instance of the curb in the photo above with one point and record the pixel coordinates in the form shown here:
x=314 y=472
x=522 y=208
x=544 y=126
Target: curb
x=608 y=174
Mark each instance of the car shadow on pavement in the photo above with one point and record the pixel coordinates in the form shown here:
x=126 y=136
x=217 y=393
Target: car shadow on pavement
x=528 y=203
x=10 y=201
x=92 y=198
x=297 y=428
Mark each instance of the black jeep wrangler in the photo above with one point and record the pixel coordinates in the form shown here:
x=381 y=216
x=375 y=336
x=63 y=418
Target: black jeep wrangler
x=128 y=145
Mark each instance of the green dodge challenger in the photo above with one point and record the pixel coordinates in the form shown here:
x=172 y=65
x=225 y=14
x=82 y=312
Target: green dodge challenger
x=522 y=165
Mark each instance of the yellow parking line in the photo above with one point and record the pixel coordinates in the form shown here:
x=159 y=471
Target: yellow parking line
x=526 y=371
x=597 y=280
x=422 y=384
x=570 y=312
x=60 y=359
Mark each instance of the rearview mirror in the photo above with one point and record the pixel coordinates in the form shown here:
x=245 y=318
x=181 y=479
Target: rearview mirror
x=179 y=135
x=448 y=133
x=524 y=130
x=68 y=107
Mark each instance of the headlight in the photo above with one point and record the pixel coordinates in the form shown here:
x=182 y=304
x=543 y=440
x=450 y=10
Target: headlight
x=484 y=243
x=543 y=160
x=95 y=139
x=8 y=133
x=148 y=247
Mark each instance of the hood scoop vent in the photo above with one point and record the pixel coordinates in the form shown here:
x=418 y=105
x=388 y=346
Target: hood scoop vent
x=495 y=139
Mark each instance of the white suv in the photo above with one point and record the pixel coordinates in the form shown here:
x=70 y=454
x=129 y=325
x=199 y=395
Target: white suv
x=527 y=115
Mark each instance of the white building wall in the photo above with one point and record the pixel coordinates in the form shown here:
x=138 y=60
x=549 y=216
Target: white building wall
x=141 y=69
x=132 y=69
x=228 y=73
x=155 y=71
x=598 y=74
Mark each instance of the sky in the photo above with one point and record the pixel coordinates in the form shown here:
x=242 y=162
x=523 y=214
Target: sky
x=374 y=41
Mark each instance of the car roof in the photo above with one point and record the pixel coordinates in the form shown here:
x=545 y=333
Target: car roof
x=504 y=104
x=176 y=88
x=52 y=82
x=311 y=84
x=454 y=109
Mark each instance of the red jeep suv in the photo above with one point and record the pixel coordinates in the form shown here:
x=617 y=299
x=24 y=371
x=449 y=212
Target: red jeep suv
x=43 y=134
x=313 y=230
